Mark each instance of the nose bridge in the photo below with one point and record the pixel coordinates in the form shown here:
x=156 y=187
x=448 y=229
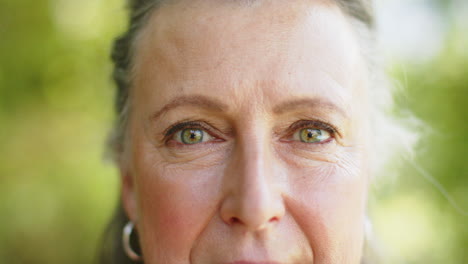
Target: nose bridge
x=253 y=199
x=255 y=179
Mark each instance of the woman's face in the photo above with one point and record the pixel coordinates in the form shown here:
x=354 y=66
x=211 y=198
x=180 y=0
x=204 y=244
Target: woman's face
x=247 y=135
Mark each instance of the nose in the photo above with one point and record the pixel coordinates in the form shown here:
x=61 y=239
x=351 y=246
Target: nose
x=253 y=192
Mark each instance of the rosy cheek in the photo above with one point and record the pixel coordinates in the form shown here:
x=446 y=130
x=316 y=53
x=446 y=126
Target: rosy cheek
x=328 y=203
x=171 y=210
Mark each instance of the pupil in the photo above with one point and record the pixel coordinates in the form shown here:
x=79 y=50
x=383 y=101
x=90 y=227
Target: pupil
x=191 y=136
x=311 y=135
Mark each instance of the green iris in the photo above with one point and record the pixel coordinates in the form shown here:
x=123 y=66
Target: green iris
x=191 y=136
x=312 y=135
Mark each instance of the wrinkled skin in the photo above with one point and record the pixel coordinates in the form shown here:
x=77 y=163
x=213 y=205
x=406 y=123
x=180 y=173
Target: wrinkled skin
x=248 y=76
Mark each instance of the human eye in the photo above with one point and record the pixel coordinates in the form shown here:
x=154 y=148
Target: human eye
x=311 y=135
x=190 y=136
x=310 y=132
x=188 y=133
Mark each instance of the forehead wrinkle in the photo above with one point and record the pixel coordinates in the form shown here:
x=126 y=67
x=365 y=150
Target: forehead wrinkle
x=179 y=39
x=177 y=46
x=179 y=27
x=174 y=54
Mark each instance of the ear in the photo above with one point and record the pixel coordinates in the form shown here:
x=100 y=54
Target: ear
x=128 y=193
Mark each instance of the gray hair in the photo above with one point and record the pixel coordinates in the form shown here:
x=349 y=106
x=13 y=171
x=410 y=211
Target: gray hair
x=385 y=128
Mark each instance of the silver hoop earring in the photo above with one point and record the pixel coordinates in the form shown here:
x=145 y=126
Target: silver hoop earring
x=127 y=232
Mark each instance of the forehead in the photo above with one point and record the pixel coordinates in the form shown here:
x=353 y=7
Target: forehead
x=198 y=46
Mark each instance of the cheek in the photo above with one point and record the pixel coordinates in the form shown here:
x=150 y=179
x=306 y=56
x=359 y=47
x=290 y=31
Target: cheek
x=329 y=204
x=174 y=208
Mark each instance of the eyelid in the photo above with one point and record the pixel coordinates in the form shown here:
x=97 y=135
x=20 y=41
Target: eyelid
x=315 y=124
x=172 y=130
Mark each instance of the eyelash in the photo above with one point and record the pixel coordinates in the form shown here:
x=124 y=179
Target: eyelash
x=170 y=132
x=315 y=124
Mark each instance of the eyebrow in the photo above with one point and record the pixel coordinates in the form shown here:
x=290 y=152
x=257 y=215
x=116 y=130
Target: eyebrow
x=215 y=105
x=191 y=100
x=292 y=105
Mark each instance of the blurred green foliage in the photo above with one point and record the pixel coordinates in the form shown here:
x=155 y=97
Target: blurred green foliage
x=57 y=193
x=422 y=214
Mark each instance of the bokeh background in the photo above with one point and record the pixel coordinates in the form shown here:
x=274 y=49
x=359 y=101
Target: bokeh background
x=57 y=191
